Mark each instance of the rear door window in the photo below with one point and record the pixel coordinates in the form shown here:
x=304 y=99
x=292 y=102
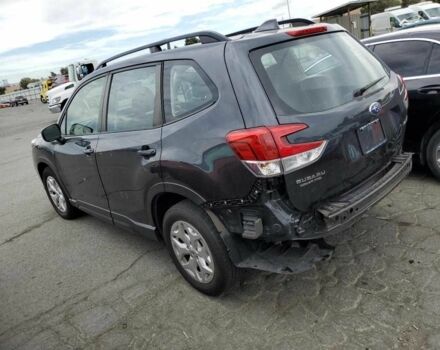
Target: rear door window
x=187 y=89
x=407 y=58
x=133 y=101
x=316 y=73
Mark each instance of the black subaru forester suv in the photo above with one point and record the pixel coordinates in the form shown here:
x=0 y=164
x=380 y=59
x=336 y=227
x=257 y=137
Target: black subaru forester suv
x=239 y=152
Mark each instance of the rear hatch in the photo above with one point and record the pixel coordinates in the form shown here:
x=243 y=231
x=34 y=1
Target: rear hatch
x=344 y=97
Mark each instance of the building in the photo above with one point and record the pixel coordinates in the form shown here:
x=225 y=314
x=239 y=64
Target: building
x=351 y=17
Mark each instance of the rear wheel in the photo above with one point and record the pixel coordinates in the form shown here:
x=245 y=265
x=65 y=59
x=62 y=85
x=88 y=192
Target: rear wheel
x=433 y=154
x=197 y=249
x=57 y=196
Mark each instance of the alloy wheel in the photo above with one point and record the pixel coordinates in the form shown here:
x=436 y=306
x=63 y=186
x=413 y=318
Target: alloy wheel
x=192 y=251
x=56 y=194
x=438 y=155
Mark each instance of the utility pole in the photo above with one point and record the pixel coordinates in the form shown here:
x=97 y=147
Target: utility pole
x=288 y=8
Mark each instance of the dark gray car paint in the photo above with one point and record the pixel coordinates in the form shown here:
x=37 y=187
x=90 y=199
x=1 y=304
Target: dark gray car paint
x=192 y=155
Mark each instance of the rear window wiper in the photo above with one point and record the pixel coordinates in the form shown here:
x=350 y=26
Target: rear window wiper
x=362 y=90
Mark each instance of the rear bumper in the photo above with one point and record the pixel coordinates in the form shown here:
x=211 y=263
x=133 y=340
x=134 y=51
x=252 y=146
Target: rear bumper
x=340 y=213
x=291 y=256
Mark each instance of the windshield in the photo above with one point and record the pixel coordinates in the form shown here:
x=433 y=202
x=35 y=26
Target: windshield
x=408 y=17
x=433 y=12
x=317 y=73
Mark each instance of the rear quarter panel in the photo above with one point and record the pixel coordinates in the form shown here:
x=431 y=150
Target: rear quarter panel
x=195 y=154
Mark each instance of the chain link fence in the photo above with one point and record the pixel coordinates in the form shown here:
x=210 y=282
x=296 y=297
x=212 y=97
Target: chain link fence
x=31 y=94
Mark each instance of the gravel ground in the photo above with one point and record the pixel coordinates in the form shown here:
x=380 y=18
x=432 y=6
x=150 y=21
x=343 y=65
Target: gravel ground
x=84 y=284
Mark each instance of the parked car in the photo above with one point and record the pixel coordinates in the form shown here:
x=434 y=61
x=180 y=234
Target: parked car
x=238 y=153
x=421 y=23
x=415 y=55
x=392 y=19
x=5 y=104
x=427 y=10
x=19 y=101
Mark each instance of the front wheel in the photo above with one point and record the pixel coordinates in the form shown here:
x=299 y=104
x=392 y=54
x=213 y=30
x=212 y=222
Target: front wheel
x=57 y=196
x=197 y=249
x=433 y=154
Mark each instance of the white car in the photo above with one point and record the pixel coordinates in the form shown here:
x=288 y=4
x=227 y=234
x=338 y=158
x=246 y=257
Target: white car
x=427 y=10
x=393 y=18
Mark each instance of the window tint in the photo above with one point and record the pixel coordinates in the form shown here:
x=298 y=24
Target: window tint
x=132 y=101
x=434 y=62
x=406 y=58
x=317 y=73
x=186 y=89
x=82 y=116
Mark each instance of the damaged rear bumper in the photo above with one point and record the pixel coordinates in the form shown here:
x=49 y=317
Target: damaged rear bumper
x=339 y=213
x=299 y=246
x=285 y=258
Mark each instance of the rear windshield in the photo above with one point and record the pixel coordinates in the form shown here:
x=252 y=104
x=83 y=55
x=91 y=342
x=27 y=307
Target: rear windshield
x=316 y=73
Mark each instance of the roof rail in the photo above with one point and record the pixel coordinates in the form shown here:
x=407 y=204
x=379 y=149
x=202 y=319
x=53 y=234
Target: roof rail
x=270 y=25
x=206 y=37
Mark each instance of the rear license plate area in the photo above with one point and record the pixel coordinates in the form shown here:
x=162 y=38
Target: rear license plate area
x=371 y=136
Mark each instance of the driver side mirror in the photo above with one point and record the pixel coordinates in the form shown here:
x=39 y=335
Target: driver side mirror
x=52 y=133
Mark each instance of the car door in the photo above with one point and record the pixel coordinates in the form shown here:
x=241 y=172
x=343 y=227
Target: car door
x=417 y=61
x=128 y=152
x=75 y=158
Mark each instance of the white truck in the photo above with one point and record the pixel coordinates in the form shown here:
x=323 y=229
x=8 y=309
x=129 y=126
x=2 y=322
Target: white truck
x=427 y=10
x=59 y=95
x=393 y=18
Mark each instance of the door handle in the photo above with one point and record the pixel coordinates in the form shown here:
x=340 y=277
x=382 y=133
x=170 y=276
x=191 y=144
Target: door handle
x=147 y=153
x=430 y=90
x=88 y=150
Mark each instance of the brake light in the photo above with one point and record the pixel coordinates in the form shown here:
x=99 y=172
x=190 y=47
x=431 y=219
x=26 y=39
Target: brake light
x=313 y=29
x=267 y=152
x=402 y=88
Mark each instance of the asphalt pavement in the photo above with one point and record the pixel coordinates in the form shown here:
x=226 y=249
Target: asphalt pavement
x=84 y=284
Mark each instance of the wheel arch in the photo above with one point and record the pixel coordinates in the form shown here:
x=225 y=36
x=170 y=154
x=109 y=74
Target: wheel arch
x=169 y=195
x=425 y=140
x=43 y=164
x=40 y=168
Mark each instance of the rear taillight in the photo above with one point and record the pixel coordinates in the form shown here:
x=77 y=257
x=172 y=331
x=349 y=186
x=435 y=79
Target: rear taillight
x=313 y=29
x=267 y=152
x=402 y=88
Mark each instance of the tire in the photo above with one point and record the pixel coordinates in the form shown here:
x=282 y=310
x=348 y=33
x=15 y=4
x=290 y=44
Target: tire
x=433 y=154
x=53 y=189
x=185 y=219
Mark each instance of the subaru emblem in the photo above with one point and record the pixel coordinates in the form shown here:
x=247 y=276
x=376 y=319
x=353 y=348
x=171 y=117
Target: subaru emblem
x=375 y=108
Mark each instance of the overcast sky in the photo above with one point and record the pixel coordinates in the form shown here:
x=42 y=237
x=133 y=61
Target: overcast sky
x=39 y=36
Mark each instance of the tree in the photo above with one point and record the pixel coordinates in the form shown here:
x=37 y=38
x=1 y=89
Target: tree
x=191 y=41
x=2 y=90
x=381 y=5
x=25 y=81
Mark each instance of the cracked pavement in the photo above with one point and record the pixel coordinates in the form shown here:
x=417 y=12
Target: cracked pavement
x=84 y=284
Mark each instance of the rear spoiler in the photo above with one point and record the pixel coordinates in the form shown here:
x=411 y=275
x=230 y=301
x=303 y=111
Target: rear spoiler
x=273 y=24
